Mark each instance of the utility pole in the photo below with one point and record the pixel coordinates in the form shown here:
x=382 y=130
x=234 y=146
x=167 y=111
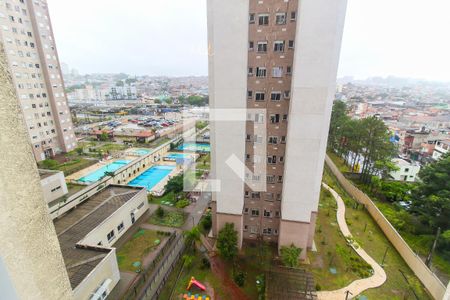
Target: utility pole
x=430 y=254
x=347 y=294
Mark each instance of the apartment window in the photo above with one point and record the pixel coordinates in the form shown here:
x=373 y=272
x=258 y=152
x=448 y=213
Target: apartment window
x=29 y=34
x=251 y=18
x=251 y=45
x=267 y=214
x=280 y=18
x=245 y=227
x=267 y=231
x=250 y=71
x=275 y=118
x=287 y=94
x=110 y=236
x=246 y=194
x=291 y=44
x=271 y=160
x=281 y=159
x=253 y=229
x=259 y=118
x=261 y=72
x=275 y=96
x=277 y=72
x=278 y=197
x=260 y=96
x=256 y=195
x=289 y=70
x=285 y=117
x=263 y=19
x=250 y=94
x=406 y=170
x=277 y=214
x=246 y=210
x=293 y=15
x=254 y=212
x=272 y=140
x=280 y=178
x=270 y=178
x=278 y=46
x=269 y=196
x=262 y=47
x=120 y=227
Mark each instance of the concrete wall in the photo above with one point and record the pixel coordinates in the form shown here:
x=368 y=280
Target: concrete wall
x=429 y=280
x=106 y=269
x=31 y=258
x=53 y=186
x=99 y=234
x=228 y=54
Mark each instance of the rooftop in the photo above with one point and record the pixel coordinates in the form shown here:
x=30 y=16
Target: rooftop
x=47 y=173
x=71 y=228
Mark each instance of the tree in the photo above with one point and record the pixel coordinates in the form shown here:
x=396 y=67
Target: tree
x=120 y=83
x=431 y=200
x=188 y=260
x=79 y=150
x=227 y=241
x=104 y=136
x=160 y=212
x=192 y=236
x=338 y=118
x=175 y=184
x=290 y=255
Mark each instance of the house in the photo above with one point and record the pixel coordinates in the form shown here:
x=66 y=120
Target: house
x=53 y=184
x=441 y=148
x=408 y=171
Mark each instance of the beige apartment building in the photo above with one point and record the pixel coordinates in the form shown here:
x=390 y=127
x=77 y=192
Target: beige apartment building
x=281 y=57
x=27 y=36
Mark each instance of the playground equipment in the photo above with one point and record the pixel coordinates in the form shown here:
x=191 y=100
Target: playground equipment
x=188 y=296
x=196 y=283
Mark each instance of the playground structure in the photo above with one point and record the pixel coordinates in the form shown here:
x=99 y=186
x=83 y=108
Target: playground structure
x=199 y=285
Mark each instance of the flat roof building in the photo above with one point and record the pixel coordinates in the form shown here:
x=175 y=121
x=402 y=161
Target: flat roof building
x=272 y=65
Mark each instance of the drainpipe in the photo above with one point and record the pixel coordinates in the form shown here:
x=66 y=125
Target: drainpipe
x=30 y=255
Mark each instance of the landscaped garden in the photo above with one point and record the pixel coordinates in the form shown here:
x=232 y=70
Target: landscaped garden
x=401 y=281
x=165 y=217
x=130 y=256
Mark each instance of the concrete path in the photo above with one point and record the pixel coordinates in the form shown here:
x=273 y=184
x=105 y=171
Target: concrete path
x=360 y=285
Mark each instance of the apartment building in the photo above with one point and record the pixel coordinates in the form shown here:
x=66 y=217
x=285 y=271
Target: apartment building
x=279 y=56
x=27 y=37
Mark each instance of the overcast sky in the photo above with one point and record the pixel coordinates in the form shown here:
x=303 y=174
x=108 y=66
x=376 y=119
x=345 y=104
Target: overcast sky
x=408 y=38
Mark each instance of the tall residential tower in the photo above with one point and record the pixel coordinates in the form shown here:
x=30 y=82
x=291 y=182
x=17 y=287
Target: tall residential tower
x=280 y=56
x=27 y=36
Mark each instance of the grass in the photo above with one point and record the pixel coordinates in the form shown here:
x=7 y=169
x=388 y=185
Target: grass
x=175 y=218
x=168 y=199
x=372 y=239
x=111 y=147
x=201 y=273
x=159 y=142
x=204 y=162
x=68 y=167
x=333 y=251
x=142 y=243
x=339 y=162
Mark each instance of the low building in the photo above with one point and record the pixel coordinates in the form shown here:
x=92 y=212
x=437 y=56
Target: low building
x=53 y=184
x=407 y=171
x=87 y=235
x=441 y=148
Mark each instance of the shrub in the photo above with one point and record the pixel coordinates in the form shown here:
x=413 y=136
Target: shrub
x=182 y=203
x=290 y=255
x=205 y=263
x=49 y=164
x=227 y=241
x=160 y=212
x=207 y=222
x=239 y=277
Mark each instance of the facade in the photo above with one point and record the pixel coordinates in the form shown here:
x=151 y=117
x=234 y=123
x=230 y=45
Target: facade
x=441 y=148
x=281 y=57
x=126 y=92
x=406 y=171
x=27 y=36
x=53 y=185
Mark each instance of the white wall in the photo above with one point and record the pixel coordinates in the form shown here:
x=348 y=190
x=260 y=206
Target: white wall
x=228 y=54
x=52 y=183
x=410 y=171
x=318 y=42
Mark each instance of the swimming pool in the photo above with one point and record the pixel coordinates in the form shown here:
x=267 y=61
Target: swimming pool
x=99 y=173
x=152 y=176
x=142 y=152
x=175 y=156
x=195 y=147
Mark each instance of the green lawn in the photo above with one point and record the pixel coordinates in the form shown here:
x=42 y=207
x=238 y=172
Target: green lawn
x=174 y=218
x=69 y=167
x=168 y=199
x=204 y=162
x=373 y=240
x=328 y=238
x=143 y=242
x=111 y=147
x=201 y=273
x=339 y=162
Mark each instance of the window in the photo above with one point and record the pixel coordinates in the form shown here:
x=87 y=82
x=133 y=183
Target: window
x=271 y=160
x=293 y=15
x=289 y=70
x=406 y=170
x=280 y=18
x=263 y=19
x=251 y=18
x=255 y=212
x=262 y=47
x=267 y=214
x=277 y=214
x=280 y=178
x=251 y=45
x=261 y=72
x=120 y=227
x=272 y=140
x=256 y=195
x=277 y=72
x=275 y=96
x=270 y=178
x=278 y=46
x=250 y=71
x=260 y=96
x=287 y=94
x=267 y=231
x=274 y=118
x=140 y=205
x=245 y=228
x=269 y=196
x=285 y=117
x=250 y=94
x=291 y=44
x=253 y=229
x=246 y=194
x=110 y=236
x=281 y=159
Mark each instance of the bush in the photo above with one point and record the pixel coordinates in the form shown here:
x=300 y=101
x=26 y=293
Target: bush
x=227 y=241
x=205 y=263
x=160 y=212
x=49 y=164
x=290 y=255
x=182 y=203
x=239 y=276
x=207 y=222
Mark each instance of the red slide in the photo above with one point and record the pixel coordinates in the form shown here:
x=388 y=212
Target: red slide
x=199 y=285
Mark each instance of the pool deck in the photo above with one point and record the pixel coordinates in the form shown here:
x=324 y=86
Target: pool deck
x=75 y=176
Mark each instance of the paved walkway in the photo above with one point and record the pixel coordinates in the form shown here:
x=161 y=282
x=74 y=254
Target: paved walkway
x=360 y=285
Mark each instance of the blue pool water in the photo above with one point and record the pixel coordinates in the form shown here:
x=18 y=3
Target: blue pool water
x=152 y=176
x=195 y=147
x=142 y=152
x=175 y=156
x=99 y=173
